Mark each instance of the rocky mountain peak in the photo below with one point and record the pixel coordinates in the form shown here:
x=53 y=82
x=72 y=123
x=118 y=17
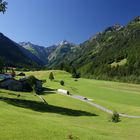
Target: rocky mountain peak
x=25 y=43
x=115 y=27
x=135 y=20
x=64 y=42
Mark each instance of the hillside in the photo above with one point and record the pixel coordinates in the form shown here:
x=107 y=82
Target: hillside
x=51 y=55
x=65 y=118
x=111 y=54
x=42 y=53
x=63 y=49
x=15 y=55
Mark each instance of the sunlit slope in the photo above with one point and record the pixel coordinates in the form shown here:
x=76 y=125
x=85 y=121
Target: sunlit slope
x=26 y=117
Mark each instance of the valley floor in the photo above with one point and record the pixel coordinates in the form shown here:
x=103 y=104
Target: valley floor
x=64 y=118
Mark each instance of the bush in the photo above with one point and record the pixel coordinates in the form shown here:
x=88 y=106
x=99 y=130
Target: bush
x=13 y=73
x=115 y=117
x=51 y=77
x=70 y=137
x=76 y=75
x=1 y=66
x=32 y=80
x=62 y=83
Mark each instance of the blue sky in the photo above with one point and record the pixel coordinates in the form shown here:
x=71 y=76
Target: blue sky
x=45 y=22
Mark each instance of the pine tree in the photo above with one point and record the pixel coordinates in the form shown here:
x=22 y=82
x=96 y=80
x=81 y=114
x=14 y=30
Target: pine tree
x=1 y=66
x=51 y=76
x=13 y=73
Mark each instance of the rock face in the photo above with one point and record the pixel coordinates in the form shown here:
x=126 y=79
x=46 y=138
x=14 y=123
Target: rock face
x=116 y=27
x=41 y=52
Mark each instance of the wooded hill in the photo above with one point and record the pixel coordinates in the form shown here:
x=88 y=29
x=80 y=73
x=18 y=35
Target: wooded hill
x=13 y=54
x=111 y=54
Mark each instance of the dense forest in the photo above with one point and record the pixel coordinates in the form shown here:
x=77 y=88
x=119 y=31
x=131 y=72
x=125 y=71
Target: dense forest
x=113 y=54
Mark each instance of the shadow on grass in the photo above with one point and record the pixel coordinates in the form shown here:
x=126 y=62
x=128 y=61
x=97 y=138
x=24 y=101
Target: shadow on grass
x=9 y=93
x=48 y=91
x=41 y=107
x=57 y=81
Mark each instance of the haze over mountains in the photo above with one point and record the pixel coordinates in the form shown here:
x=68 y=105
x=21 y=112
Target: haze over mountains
x=113 y=53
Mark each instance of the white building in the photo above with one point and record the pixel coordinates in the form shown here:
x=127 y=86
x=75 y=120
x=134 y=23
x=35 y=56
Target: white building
x=63 y=91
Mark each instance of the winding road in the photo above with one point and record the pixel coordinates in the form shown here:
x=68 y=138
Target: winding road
x=81 y=98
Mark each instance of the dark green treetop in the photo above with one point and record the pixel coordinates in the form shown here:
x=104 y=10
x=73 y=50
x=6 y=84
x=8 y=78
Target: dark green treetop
x=51 y=76
x=3 y=6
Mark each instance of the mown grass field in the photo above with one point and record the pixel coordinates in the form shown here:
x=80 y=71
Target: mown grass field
x=65 y=118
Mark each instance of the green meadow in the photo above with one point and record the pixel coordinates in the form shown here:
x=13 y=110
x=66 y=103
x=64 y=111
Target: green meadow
x=63 y=118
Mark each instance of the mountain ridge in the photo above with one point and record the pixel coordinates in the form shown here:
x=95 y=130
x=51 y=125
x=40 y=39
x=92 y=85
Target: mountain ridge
x=13 y=54
x=113 y=53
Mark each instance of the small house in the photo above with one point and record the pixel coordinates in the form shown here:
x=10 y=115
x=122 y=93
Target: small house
x=11 y=84
x=5 y=76
x=62 y=91
x=20 y=85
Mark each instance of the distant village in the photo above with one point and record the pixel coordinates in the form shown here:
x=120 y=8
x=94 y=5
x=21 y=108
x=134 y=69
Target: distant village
x=19 y=82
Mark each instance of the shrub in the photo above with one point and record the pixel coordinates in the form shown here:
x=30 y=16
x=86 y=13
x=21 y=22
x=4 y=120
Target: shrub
x=76 y=75
x=115 y=117
x=1 y=66
x=13 y=73
x=32 y=80
x=51 y=77
x=62 y=82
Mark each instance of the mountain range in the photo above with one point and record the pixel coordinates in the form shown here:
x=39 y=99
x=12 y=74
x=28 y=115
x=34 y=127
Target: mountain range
x=111 y=54
x=15 y=55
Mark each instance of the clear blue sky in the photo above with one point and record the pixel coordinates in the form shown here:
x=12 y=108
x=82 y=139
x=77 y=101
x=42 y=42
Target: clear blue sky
x=45 y=22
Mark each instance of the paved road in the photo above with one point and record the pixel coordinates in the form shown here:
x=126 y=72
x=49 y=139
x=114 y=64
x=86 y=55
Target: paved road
x=98 y=106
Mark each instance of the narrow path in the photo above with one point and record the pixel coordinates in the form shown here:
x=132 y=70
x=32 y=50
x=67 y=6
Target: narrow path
x=81 y=98
x=42 y=99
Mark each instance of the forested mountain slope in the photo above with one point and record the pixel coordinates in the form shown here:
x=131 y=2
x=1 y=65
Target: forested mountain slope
x=111 y=54
x=14 y=55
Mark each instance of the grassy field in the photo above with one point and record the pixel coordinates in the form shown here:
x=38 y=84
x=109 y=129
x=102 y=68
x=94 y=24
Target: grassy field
x=64 y=118
x=121 y=97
